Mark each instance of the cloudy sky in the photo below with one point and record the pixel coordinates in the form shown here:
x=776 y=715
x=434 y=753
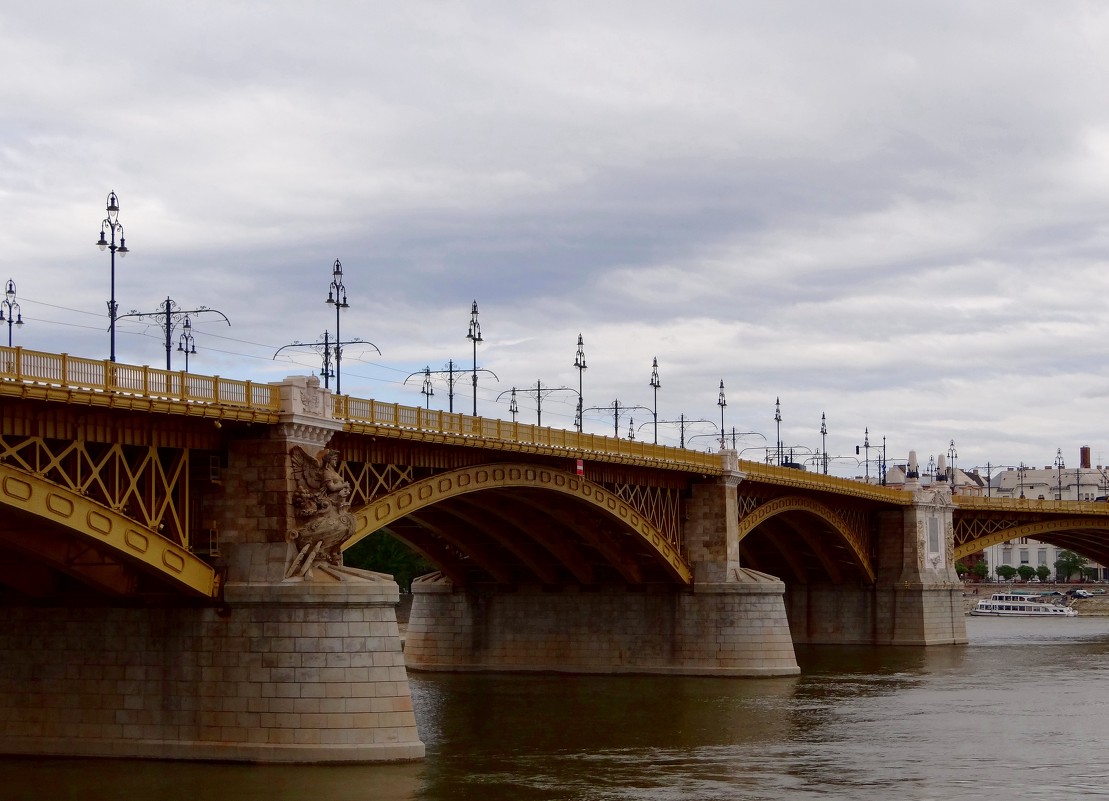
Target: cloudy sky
x=896 y=215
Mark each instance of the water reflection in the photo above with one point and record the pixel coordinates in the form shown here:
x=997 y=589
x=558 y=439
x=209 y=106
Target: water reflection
x=1019 y=711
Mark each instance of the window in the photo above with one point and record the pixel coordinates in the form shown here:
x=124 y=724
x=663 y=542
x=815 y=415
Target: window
x=1041 y=556
x=1024 y=556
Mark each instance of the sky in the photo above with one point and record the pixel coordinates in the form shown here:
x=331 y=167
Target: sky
x=894 y=216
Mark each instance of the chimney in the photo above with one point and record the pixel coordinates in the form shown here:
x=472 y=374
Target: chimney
x=1084 y=457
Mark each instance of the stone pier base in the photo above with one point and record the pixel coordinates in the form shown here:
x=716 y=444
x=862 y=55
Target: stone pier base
x=902 y=614
x=732 y=629
x=287 y=672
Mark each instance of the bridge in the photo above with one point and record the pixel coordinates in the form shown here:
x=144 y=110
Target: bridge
x=164 y=597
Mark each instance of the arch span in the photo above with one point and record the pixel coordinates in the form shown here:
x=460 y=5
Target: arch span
x=854 y=540
x=103 y=529
x=410 y=499
x=1046 y=531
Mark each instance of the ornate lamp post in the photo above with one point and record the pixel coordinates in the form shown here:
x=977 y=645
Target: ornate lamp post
x=1059 y=470
x=721 y=402
x=778 y=423
x=952 y=455
x=513 y=406
x=616 y=407
x=172 y=315
x=11 y=305
x=579 y=365
x=474 y=335
x=427 y=390
x=185 y=343
x=108 y=228
x=655 y=384
x=337 y=297
x=824 y=440
x=1021 y=470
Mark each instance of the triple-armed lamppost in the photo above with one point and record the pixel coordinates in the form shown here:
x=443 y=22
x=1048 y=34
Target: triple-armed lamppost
x=10 y=305
x=824 y=440
x=108 y=230
x=474 y=335
x=655 y=384
x=580 y=366
x=721 y=402
x=337 y=297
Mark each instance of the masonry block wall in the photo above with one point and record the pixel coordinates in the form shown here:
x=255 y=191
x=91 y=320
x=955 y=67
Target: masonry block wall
x=281 y=679
x=738 y=630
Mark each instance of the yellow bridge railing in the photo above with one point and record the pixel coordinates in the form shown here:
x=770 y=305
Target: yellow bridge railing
x=1099 y=508
x=22 y=370
x=74 y=373
x=361 y=412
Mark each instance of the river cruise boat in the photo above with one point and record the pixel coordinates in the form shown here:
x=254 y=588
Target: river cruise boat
x=1006 y=604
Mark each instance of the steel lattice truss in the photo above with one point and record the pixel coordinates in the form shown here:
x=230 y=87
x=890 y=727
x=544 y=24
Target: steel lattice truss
x=145 y=483
x=660 y=505
x=371 y=481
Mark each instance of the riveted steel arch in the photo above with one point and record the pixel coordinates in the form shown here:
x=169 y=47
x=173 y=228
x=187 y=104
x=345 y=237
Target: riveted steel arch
x=1031 y=530
x=855 y=540
x=429 y=491
x=107 y=529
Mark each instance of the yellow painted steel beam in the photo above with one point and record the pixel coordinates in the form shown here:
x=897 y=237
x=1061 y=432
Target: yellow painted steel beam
x=1035 y=530
x=108 y=529
x=387 y=509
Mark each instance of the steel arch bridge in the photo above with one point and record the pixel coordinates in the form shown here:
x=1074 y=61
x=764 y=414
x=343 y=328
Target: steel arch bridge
x=110 y=472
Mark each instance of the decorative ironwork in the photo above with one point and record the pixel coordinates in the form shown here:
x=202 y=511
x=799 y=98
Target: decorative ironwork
x=371 y=481
x=660 y=505
x=145 y=483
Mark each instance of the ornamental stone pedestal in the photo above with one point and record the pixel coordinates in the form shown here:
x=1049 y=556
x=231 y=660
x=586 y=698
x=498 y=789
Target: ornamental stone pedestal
x=301 y=669
x=732 y=622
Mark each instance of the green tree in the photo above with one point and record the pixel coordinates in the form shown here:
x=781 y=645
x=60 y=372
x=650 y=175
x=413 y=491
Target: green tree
x=1026 y=572
x=980 y=570
x=960 y=569
x=386 y=554
x=1043 y=572
x=1006 y=572
x=1069 y=563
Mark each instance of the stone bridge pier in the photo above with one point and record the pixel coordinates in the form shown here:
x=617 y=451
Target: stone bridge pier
x=916 y=598
x=731 y=622
x=294 y=663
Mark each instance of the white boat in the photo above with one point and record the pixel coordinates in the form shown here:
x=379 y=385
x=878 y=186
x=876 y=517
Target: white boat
x=1006 y=604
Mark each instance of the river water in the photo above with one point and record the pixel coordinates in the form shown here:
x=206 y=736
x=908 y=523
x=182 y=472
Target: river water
x=1020 y=712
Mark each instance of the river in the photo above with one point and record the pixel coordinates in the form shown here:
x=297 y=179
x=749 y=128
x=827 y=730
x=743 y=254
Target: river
x=1022 y=711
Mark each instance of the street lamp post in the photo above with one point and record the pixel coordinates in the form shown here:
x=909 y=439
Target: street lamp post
x=185 y=343
x=109 y=227
x=474 y=335
x=540 y=393
x=1059 y=472
x=952 y=455
x=655 y=384
x=824 y=440
x=337 y=297
x=11 y=305
x=721 y=402
x=173 y=315
x=1021 y=470
x=683 y=423
x=579 y=365
x=778 y=423
x=427 y=390
x=451 y=372
x=615 y=407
